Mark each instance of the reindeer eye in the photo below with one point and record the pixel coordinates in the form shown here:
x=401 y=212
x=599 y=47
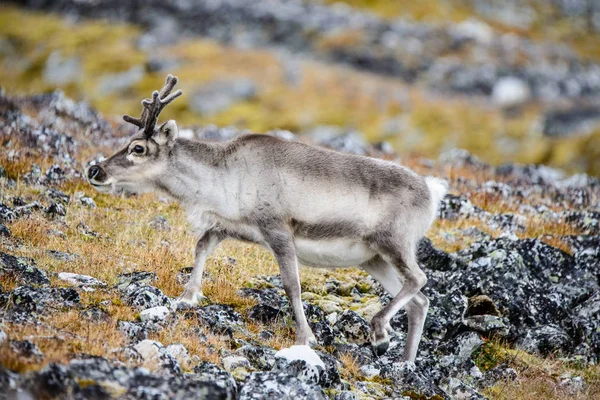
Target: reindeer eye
x=138 y=149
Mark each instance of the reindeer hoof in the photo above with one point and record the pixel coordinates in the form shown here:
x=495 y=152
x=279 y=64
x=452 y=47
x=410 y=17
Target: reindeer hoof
x=189 y=300
x=380 y=338
x=380 y=348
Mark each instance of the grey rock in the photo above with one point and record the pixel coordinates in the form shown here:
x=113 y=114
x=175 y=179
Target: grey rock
x=134 y=331
x=52 y=381
x=62 y=256
x=7 y=214
x=209 y=372
x=219 y=95
x=26 y=349
x=114 y=83
x=353 y=327
x=144 y=296
x=155 y=354
x=60 y=71
x=56 y=210
x=260 y=357
x=22 y=269
x=85 y=281
x=95 y=315
x=41 y=299
x=578 y=121
x=260 y=385
x=220 y=318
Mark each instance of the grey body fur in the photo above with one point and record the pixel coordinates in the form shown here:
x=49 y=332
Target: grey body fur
x=306 y=204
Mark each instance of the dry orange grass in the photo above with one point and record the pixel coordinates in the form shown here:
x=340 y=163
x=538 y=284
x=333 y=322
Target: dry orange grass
x=539 y=378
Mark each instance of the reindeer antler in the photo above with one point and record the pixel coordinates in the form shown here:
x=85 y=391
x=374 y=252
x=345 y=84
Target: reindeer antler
x=154 y=106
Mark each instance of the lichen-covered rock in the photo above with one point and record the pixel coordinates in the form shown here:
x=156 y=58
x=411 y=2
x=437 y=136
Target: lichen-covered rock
x=4 y=231
x=134 y=331
x=280 y=385
x=406 y=377
x=95 y=314
x=40 y=299
x=22 y=269
x=260 y=357
x=154 y=314
x=86 y=282
x=139 y=293
x=220 y=318
x=155 y=354
x=53 y=381
x=56 y=209
x=139 y=277
x=209 y=372
x=353 y=327
x=7 y=214
x=26 y=350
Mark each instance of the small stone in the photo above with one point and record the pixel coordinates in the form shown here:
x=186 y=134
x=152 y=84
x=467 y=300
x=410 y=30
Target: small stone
x=7 y=214
x=369 y=371
x=160 y=223
x=134 y=331
x=85 y=200
x=95 y=315
x=26 y=349
x=4 y=231
x=84 y=281
x=62 y=256
x=329 y=306
x=56 y=209
x=155 y=354
x=154 y=314
x=238 y=367
x=510 y=92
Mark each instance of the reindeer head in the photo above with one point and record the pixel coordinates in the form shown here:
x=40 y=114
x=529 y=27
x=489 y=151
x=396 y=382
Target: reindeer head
x=134 y=167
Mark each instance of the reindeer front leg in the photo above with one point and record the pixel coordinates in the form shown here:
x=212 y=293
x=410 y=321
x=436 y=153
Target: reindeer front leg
x=192 y=294
x=281 y=243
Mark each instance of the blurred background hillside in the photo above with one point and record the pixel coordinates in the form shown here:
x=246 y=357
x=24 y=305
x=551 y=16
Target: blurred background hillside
x=509 y=80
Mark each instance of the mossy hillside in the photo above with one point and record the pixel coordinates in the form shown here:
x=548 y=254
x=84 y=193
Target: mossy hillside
x=412 y=119
x=547 y=23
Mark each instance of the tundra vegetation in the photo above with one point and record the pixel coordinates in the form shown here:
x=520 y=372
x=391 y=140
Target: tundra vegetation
x=512 y=261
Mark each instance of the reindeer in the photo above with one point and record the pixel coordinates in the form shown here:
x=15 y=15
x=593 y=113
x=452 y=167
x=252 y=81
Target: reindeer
x=306 y=204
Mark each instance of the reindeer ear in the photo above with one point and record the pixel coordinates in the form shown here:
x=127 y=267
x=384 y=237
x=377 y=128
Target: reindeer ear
x=166 y=134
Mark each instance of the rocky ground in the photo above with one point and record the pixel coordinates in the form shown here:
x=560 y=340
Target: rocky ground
x=87 y=279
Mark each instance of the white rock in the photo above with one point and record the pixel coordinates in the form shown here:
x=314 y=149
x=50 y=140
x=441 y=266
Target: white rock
x=84 y=281
x=475 y=29
x=301 y=353
x=230 y=363
x=149 y=349
x=510 y=92
x=178 y=351
x=369 y=371
x=154 y=314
